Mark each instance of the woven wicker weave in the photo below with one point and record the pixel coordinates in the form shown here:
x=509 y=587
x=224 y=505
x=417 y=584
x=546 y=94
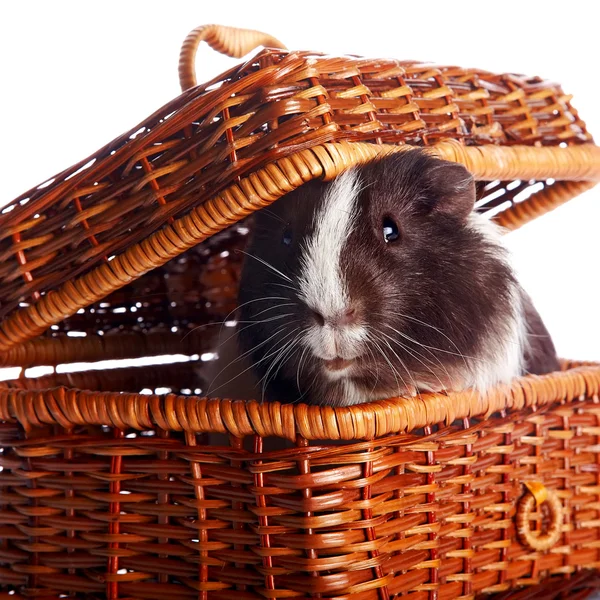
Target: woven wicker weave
x=109 y=492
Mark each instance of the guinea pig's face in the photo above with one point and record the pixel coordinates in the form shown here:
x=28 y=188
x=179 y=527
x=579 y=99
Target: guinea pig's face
x=347 y=293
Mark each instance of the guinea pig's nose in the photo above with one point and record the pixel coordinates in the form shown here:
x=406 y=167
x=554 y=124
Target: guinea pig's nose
x=347 y=317
x=318 y=317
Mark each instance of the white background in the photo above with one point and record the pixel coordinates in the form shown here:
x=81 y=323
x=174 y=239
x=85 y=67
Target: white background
x=74 y=75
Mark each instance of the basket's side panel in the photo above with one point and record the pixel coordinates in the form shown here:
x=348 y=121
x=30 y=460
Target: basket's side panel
x=99 y=512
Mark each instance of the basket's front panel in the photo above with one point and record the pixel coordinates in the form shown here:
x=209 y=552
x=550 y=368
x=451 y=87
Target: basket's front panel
x=95 y=512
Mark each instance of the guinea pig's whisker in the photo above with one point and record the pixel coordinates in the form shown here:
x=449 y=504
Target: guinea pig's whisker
x=274 y=307
x=284 y=340
x=414 y=319
x=459 y=353
x=243 y=355
x=431 y=350
x=284 y=353
x=237 y=331
x=406 y=337
x=251 y=324
x=287 y=287
x=203 y=326
x=408 y=372
x=315 y=380
x=263 y=299
x=307 y=390
x=282 y=359
x=212 y=390
x=259 y=322
x=411 y=350
x=301 y=364
x=221 y=323
x=268 y=265
x=370 y=351
x=271 y=214
x=416 y=355
x=269 y=320
x=393 y=369
x=302 y=358
x=279 y=353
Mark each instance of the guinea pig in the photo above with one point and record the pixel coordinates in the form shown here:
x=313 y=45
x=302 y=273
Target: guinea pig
x=383 y=282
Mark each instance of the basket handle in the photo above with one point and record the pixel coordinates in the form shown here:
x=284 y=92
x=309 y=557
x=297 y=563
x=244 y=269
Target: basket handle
x=231 y=41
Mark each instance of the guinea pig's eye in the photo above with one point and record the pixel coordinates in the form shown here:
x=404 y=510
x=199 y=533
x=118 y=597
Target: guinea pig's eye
x=287 y=237
x=391 y=232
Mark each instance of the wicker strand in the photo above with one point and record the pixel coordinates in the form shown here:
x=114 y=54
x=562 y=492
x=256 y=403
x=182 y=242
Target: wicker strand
x=231 y=41
x=62 y=349
x=541 y=203
x=487 y=163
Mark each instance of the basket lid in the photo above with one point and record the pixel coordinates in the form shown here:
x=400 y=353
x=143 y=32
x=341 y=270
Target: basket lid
x=238 y=142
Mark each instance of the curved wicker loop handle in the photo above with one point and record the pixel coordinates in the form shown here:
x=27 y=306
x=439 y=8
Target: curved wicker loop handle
x=538 y=494
x=231 y=41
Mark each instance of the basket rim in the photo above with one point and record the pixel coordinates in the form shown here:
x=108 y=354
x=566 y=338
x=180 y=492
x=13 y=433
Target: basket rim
x=71 y=407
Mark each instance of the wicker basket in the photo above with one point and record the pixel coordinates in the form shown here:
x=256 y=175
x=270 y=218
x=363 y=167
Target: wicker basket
x=110 y=492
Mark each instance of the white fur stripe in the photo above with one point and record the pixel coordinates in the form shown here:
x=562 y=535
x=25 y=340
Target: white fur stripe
x=321 y=283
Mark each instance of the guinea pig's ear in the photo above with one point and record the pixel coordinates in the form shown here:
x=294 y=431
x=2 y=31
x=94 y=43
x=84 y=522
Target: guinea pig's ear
x=452 y=188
